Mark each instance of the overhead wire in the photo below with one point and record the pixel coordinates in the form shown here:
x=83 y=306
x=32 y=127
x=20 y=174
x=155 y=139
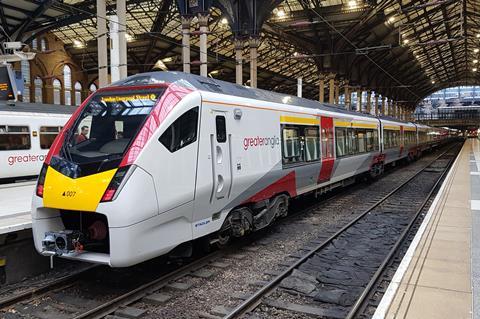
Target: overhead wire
x=356 y=47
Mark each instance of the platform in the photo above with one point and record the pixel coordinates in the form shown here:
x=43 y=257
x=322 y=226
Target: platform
x=16 y=200
x=439 y=277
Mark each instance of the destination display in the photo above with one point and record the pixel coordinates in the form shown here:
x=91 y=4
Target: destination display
x=7 y=90
x=128 y=98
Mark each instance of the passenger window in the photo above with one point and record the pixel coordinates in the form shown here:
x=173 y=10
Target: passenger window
x=48 y=135
x=391 y=138
x=312 y=143
x=375 y=140
x=327 y=143
x=182 y=132
x=14 y=138
x=361 y=138
x=340 y=136
x=352 y=141
x=292 y=145
x=370 y=141
x=221 y=129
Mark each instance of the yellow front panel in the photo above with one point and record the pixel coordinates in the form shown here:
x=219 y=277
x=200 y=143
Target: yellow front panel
x=84 y=193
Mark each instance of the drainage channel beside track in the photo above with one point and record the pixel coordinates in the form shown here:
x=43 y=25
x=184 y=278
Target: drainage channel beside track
x=173 y=291
x=338 y=277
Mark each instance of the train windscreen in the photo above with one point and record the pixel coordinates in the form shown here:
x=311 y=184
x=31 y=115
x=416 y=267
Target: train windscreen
x=104 y=129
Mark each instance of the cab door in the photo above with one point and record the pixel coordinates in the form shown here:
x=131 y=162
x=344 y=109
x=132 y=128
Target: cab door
x=220 y=144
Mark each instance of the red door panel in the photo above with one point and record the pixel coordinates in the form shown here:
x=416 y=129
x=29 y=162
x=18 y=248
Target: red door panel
x=328 y=158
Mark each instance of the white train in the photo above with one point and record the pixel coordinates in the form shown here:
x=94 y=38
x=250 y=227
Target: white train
x=173 y=157
x=26 y=133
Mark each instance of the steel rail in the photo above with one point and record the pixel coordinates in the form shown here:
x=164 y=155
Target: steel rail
x=356 y=307
x=253 y=300
x=61 y=282
x=136 y=294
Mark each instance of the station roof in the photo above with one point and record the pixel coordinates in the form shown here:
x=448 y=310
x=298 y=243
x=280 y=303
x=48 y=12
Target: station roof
x=402 y=49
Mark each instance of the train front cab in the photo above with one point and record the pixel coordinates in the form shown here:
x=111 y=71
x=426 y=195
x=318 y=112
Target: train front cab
x=134 y=203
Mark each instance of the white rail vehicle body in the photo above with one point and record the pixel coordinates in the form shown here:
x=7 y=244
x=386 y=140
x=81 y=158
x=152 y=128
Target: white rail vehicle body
x=247 y=153
x=26 y=132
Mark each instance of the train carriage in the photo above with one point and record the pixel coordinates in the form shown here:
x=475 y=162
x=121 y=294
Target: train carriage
x=410 y=141
x=173 y=157
x=423 y=138
x=392 y=143
x=26 y=134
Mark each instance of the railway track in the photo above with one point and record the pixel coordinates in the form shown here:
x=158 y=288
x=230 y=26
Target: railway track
x=335 y=278
x=115 y=300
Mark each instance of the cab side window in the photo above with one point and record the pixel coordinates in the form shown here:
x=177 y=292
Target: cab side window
x=182 y=132
x=221 y=129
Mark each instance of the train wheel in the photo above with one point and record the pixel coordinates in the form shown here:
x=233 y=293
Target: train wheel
x=223 y=239
x=410 y=157
x=376 y=171
x=238 y=223
x=282 y=206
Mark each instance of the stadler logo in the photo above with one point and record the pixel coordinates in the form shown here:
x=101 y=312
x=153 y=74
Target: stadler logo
x=25 y=159
x=249 y=142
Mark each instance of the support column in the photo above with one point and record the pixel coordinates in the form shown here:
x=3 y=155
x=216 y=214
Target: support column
x=331 y=88
x=337 y=92
x=348 y=96
x=239 y=61
x=359 y=99
x=122 y=38
x=203 y=22
x=369 y=102
x=396 y=110
x=299 y=87
x=186 y=21
x=114 y=49
x=102 y=44
x=382 y=111
x=321 y=88
x=254 y=43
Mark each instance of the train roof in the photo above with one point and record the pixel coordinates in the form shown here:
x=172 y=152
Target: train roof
x=35 y=108
x=217 y=86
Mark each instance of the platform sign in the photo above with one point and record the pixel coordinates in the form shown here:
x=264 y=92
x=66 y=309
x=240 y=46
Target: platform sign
x=8 y=87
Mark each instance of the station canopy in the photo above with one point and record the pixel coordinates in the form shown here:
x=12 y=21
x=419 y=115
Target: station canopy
x=402 y=49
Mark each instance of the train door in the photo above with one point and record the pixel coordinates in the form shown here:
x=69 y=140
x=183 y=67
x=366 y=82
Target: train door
x=328 y=156
x=220 y=143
